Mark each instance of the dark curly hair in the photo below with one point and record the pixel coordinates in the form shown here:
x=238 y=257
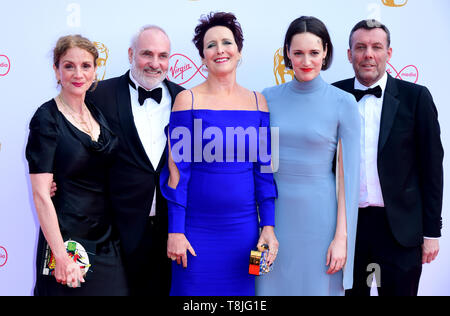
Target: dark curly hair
x=217 y=19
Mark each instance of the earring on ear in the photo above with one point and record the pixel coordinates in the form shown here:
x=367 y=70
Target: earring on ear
x=94 y=84
x=323 y=62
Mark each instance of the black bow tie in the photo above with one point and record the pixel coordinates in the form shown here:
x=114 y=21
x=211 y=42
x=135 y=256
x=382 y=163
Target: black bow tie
x=155 y=94
x=373 y=91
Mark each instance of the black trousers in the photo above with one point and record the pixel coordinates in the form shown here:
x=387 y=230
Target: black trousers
x=148 y=269
x=378 y=255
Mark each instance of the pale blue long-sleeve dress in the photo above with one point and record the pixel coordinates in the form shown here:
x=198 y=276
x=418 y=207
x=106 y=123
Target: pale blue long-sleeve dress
x=311 y=117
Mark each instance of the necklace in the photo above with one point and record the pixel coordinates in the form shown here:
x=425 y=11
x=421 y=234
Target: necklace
x=85 y=127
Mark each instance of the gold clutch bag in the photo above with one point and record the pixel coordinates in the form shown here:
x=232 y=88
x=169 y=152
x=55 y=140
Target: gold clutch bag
x=258 y=261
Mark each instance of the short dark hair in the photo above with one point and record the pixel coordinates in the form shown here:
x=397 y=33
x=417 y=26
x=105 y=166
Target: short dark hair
x=217 y=19
x=370 y=25
x=308 y=24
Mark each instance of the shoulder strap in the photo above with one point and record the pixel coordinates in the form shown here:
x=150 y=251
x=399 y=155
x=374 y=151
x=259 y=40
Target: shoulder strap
x=192 y=94
x=256 y=97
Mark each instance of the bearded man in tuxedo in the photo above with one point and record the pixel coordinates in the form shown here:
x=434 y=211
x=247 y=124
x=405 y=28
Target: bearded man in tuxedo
x=137 y=106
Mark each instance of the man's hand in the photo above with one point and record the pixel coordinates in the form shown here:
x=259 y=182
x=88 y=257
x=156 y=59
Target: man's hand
x=430 y=250
x=53 y=189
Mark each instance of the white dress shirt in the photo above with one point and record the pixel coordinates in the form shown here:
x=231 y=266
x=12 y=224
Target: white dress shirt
x=150 y=119
x=370 y=110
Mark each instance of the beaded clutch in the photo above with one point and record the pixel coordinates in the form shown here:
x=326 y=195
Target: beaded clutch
x=83 y=257
x=258 y=261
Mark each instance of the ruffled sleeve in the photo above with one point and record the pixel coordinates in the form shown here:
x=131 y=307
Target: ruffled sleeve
x=42 y=141
x=349 y=134
x=265 y=186
x=180 y=132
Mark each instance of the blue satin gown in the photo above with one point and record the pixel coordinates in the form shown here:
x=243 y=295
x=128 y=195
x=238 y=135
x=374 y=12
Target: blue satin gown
x=217 y=199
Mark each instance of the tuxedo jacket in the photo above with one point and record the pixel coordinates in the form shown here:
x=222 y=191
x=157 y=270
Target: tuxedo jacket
x=410 y=157
x=132 y=178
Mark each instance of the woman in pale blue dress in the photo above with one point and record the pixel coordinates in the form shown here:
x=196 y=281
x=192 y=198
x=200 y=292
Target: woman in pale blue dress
x=316 y=230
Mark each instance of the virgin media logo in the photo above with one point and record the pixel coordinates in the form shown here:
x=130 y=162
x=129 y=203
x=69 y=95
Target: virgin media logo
x=408 y=73
x=3 y=256
x=5 y=65
x=182 y=69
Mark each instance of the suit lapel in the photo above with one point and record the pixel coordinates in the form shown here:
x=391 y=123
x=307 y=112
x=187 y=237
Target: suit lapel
x=127 y=122
x=388 y=112
x=349 y=85
x=173 y=91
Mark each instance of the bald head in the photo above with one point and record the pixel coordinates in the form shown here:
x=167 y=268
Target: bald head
x=143 y=29
x=149 y=56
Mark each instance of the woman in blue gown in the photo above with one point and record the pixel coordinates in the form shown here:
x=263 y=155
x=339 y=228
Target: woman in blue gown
x=316 y=230
x=218 y=182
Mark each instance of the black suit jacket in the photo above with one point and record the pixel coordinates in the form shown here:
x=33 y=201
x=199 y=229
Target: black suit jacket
x=133 y=179
x=410 y=157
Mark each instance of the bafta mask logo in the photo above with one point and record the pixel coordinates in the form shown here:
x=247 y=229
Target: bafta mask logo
x=103 y=53
x=5 y=65
x=394 y=3
x=279 y=68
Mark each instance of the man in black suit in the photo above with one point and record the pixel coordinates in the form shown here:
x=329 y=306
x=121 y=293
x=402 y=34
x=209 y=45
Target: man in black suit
x=401 y=177
x=137 y=106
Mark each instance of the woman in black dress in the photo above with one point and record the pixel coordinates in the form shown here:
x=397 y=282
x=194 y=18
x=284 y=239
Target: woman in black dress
x=70 y=143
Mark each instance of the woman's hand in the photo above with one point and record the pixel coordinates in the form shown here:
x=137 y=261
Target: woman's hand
x=337 y=255
x=67 y=271
x=268 y=237
x=177 y=245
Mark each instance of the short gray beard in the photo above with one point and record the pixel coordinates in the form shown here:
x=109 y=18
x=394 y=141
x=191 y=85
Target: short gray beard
x=147 y=83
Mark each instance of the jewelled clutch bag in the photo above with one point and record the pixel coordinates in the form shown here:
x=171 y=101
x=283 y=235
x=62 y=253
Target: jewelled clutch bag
x=83 y=257
x=258 y=262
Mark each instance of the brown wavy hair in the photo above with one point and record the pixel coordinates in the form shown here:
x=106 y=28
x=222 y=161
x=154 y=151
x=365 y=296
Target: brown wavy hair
x=70 y=41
